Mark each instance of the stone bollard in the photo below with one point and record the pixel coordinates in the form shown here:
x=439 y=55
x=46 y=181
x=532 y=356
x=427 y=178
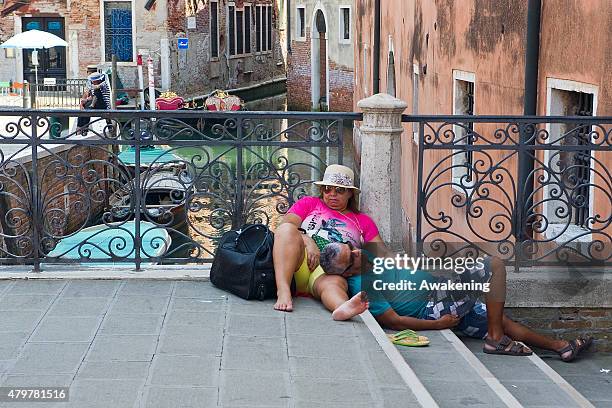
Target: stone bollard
x=381 y=154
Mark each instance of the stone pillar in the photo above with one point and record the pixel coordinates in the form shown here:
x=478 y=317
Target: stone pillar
x=165 y=64
x=381 y=154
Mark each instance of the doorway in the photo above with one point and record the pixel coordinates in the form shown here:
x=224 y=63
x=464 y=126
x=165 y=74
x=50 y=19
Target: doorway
x=51 y=61
x=319 y=63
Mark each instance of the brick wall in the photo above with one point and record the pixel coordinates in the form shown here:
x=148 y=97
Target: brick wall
x=299 y=75
x=7 y=65
x=341 y=87
x=77 y=185
x=568 y=323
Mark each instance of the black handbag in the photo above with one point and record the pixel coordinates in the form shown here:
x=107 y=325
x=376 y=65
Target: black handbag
x=243 y=263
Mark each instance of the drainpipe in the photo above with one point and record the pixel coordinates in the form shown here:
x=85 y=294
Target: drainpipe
x=288 y=26
x=526 y=165
x=532 y=55
x=376 y=50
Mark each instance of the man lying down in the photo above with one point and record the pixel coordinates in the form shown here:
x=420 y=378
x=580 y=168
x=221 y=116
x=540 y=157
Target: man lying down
x=404 y=298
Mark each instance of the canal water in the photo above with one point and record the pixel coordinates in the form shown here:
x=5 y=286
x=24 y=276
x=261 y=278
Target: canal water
x=263 y=199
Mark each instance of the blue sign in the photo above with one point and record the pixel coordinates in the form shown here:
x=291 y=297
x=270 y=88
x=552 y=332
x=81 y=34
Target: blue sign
x=183 y=43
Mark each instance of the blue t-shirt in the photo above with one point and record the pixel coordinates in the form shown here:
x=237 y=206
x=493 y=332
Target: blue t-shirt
x=404 y=299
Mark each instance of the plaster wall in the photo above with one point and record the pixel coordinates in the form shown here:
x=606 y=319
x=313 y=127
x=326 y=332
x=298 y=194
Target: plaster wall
x=486 y=38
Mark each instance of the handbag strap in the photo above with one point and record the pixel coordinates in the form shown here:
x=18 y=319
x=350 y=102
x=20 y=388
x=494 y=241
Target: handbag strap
x=242 y=232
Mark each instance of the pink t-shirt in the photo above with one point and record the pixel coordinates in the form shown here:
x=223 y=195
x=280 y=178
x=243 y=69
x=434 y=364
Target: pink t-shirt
x=318 y=218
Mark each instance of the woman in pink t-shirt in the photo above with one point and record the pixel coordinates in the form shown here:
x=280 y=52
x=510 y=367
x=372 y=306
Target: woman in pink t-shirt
x=332 y=217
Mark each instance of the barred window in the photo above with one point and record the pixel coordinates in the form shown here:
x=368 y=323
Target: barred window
x=263 y=28
x=239 y=27
x=118 y=36
x=214 y=29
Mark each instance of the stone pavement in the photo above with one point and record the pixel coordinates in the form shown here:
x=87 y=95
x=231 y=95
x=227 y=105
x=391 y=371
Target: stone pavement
x=145 y=343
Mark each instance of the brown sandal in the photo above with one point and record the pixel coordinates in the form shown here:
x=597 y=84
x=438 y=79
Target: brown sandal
x=576 y=347
x=506 y=346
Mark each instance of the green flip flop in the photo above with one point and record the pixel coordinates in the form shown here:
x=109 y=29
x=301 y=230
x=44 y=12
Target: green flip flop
x=408 y=338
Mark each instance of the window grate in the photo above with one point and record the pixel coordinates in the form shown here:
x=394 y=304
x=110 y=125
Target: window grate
x=118 y=30
x=582 y=159
x=214 y=29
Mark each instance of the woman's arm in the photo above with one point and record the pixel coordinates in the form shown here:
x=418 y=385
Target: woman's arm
x=378 y=246
x=390 y=319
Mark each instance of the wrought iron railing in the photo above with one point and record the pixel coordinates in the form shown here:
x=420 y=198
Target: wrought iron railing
x=144 y=187
x=531 y=190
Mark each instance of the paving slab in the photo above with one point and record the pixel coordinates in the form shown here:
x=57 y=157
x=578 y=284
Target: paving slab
x=179 y=321
x=197 y=371
x=10 y=302
x=140 y=304
x=66 y=329
x=146 y=288
x=122 y=348
x=198 y=289
x=104 y=393
x=43 y=287
x=331 y=391
x=198 y=305
x=255 y=358
x=78 y=307
x=269 y=326
x=5 y=285
x=60 y=358
x=132 y=324
x=114 y=370
x=91 y=288
x=310 y=367
x=319 y=346
x=164 y=397
x=297 y=325
x=33 y=380
x=190 y=345
x=260 y=390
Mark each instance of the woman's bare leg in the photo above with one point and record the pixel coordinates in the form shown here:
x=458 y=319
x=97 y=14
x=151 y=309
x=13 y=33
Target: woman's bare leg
x=288 y=255
x=332 y=291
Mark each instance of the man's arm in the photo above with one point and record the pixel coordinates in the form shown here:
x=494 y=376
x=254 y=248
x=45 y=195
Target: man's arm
x=391 y=320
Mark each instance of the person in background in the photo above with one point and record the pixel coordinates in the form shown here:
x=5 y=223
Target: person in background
x=97 y=96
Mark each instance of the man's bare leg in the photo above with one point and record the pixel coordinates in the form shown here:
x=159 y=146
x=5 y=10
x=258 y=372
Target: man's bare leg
x=522 y=333
x=288 y=255
x=332 y=291
x=495 y=300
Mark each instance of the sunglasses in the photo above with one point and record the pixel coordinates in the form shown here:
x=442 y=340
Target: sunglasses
x=338 y=190
x=352 y=259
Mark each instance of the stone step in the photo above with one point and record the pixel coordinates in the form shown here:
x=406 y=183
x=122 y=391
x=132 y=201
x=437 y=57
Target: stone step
x=450 y=377
x=529 y=379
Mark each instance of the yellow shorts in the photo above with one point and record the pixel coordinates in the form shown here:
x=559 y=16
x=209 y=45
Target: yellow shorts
x=304 y=279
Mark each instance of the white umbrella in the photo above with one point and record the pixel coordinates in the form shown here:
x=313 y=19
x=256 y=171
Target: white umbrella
x=34 y=39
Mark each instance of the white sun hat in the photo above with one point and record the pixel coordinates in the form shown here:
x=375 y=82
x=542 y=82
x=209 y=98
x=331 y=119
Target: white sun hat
x=339 y=176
